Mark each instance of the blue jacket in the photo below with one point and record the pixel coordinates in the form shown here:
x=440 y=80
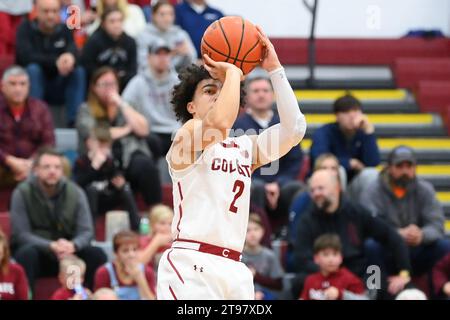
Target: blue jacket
x=330 y=139
x=289 y=164
x=195 y=24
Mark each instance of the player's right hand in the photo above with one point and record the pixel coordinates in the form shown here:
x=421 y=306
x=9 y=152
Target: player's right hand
x=219 y=69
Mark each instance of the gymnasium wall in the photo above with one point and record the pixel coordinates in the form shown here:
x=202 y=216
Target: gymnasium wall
x=342 y=18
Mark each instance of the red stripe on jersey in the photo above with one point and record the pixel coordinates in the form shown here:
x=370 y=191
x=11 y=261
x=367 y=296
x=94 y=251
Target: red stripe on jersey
x=173 y=294
x=179 y=190
x=180 y=208
x=173 y=267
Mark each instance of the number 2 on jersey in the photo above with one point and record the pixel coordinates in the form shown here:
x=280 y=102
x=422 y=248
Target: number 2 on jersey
x=239 y=187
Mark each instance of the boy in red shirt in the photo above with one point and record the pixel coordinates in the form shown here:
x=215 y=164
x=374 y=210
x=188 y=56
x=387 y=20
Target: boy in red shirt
x=332 y=282
x=71 y=277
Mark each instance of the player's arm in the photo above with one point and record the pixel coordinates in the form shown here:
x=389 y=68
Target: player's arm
x=278 y=139
x=197 y=134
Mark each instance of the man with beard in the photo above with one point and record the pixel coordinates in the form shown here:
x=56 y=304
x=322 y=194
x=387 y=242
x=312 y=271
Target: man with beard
x=333 y=212
x=409 y=204
x=50 y=220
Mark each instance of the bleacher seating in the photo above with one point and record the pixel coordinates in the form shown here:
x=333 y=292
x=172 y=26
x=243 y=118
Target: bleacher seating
x=360 y=51
x=409 y=71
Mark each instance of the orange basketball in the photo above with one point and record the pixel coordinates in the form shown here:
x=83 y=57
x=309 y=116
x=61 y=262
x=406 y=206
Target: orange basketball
x=235 y=40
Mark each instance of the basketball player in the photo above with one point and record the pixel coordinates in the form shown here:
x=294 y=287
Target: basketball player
x=211 y=174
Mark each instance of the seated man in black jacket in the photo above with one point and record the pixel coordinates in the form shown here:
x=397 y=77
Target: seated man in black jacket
x=331 y=212
x=47 y=49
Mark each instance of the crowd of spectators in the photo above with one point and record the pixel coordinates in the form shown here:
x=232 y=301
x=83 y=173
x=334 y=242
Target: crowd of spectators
x=114 y=73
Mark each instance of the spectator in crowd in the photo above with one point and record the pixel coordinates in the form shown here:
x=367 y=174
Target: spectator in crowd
x=301 y=201
x=99 y=174
x=441 y=278
x=110 y=46
x=71 y=277
x=274 y=184
x=47 y=49
x=333 y=212
x=105 y=294
x=11 y=13
x=151 y=91
x=146 y=7
x=128 y=128
x=27 y=125
x=130 y=279
x=409 y=204
x=13 y=281
x=331 y=282
x=262 y=262
x=50 y=219
x=352 y=140
x=195 y=16
x=134 y=19
x=160 y=237
x=162 y=27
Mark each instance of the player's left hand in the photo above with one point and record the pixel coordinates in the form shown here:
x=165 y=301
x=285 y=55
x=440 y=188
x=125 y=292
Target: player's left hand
x=270 y=59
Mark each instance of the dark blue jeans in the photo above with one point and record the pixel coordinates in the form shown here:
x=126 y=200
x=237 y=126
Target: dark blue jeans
x=70 y=90
x=422 y=257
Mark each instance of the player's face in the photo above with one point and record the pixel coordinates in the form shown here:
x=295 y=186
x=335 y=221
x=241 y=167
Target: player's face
x=259 y=95
x=164 y=17
x=205 y=97
x=254 y=234
x=49 y=170
x=328 y=260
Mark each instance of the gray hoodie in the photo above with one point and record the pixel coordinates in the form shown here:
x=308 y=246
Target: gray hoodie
x=173 y=36
x=419 y=206
x=152 y=96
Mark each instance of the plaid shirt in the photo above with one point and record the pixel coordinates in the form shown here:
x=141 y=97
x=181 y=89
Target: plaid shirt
x=24 y=137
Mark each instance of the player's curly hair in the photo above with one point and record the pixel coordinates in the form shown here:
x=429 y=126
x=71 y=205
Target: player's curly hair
x=183 y=92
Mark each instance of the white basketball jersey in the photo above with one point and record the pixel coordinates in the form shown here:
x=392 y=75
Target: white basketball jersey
x=212 y=196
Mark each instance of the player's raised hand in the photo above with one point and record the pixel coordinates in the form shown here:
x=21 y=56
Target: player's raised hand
x=270 y=60
x=218 y=69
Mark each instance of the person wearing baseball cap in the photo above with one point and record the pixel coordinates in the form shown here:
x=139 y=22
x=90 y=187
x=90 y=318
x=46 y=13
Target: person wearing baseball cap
x=409 y=203
x=150 y=91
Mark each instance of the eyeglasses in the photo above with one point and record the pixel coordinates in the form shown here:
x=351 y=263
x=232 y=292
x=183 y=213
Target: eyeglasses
x=103 y=85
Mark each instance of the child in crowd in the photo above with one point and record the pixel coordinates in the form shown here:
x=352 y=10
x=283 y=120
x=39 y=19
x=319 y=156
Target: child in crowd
x=262 y=262
x=71 y=277
x=98 y=173
x=13 y=281
x=126 y=275
x=332 y=282
x=160 y=237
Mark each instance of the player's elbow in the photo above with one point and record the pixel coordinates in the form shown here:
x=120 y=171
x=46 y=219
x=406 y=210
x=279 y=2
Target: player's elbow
x=299 y=129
